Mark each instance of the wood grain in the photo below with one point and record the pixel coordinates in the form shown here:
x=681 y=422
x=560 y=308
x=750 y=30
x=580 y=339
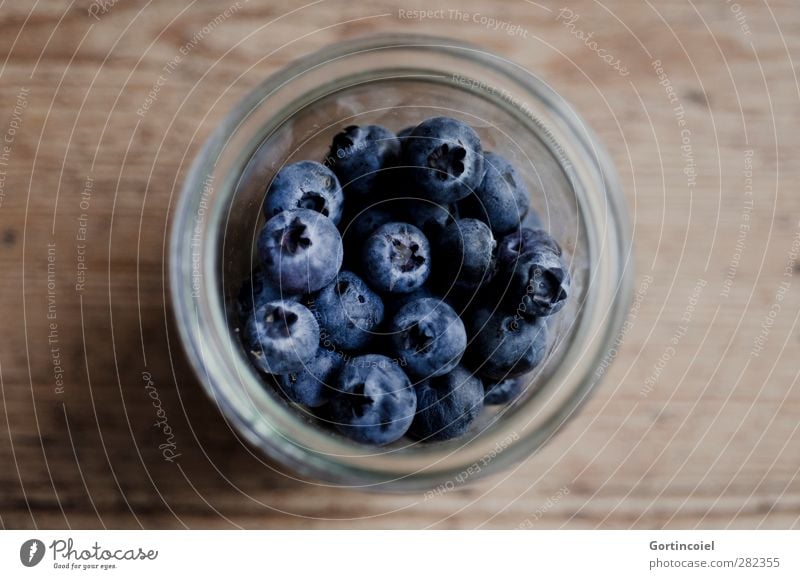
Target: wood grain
x=716 y=442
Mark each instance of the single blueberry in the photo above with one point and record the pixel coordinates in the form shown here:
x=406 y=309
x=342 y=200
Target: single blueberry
x=465 y=255
x=375 y=402
x=359 y=154
x=300 y=250
x=429 y=337
x=504 y=391
x=447 y=405
x=444 y=159
x=505 y=345
x=501 y=200
x=282 y=336
x=348 y=311
x=305 y=185
x=313 y=385
x=396 y=258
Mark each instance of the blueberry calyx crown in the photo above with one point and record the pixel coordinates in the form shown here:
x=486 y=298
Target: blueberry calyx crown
x=314 y=201
x=294 y=237
x=447 y=161
x=419 y=338
x=359 y=400
x=405 y=256
x=278 y=322
x=342 y=286
x=543 y=282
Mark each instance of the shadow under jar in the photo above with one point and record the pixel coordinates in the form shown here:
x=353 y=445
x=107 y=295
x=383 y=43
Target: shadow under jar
x=396 y=82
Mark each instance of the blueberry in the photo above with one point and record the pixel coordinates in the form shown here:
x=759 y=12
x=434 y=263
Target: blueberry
x=347 y=311
x=504 y=391
x=359 y=154
x=300 y=250
x=281 y=336
x=313 y=385
x=522 y=241
x=501 y=200
x=447 y=405
x=465 y=255
x=445 y=159
x=255 y=291
x=429 y=337
x=396 y=258
x=430 y=218
x=505 y=345
x=534 y=278
x=305 y=185
x=375 y=402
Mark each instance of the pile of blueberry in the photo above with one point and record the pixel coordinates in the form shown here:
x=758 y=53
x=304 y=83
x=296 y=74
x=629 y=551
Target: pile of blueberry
x=403 y=284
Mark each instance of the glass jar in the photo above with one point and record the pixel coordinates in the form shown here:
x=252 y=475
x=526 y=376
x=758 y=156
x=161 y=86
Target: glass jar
x=398 y=81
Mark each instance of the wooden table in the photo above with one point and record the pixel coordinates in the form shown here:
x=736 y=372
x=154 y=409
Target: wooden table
x=697 y=422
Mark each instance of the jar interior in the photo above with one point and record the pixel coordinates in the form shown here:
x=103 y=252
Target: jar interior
x=398 y=101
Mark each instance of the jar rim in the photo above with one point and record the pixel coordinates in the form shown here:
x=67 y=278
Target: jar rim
x=197 y=320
